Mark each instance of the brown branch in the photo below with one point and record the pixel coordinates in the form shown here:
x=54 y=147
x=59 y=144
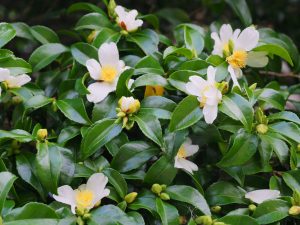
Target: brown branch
x=280 y=74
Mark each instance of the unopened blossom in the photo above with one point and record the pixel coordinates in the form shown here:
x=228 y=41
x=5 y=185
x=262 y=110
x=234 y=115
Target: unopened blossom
x=235 y=46
x=186 y=150
x=86 y=196
x=13 y=81
x=106 y=72
x=259 y=196
x=127 y=19
x=129 y=105
x=207 y=92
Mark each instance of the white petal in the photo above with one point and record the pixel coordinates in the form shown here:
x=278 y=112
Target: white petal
x=226 y=33
x=182 y=163
x=233 y=77
x=99 y=90
x=211 y=73
x=198 y=81
x=218 y=46
x=210 y=113
x=109 y=55
x=262 y=195
x=96 y=183
x=94 y=69
x=22 y=79
x=235 y=35
x=120 y=11
x=247 y=40
x=257 y=59
x=190 y=149
x=66 y=195
x=192 y=89
x=4 y=74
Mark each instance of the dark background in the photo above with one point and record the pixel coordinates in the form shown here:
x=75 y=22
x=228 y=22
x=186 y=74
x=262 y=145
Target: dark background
x=282 y=15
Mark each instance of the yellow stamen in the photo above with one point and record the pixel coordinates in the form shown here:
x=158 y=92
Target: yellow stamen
x=237 y=59
x=108 y=73
x=181 y=152
x=226 y=49
x=154 y=91
x=84 y=198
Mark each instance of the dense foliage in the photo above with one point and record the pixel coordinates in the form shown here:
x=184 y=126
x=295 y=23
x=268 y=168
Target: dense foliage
x=130 y=125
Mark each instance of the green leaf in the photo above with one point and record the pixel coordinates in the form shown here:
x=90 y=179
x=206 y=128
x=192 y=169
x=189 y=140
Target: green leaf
x=6 y=182
x=238 y=219
x=109 y=215
x=285 y=115
x=105 y=108
x=106 y=35
x=224 y=193
x=148 y=64
x=34 y=222
x=271 y=211
x=193 y=38
x=67 y=134
x=133 y=155
x=145 y=200
x=122 y=86
x=74 y=109
x=167 y=212
x=189 y=195
x=44 y=34
x=158 y=106
x=46 y=54
x=98 y=135
x=116 y=180
x=150 y=126
x=271 y=96
x=16 y=66
x=243 y=148
x=7 y=32
x=84 y=6
x=83 y=51
x=161 y=172
x=19 y=135
x=37 y=102
x=186 y=114
x=172 y=50
x=286 y=129
x=179 y=78
x=146 y=39
x=238 y=108
x=23 y=30
x=93 y=21
x=29 y=211
x=150 y=79
x=291 y=178
x=241 y=9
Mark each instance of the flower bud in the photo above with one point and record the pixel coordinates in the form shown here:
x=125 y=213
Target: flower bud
x=156 y=188
x=42 y=134
x=91 y=36
x=80 y=211
x=204 y=220
x=298 y=148
x=111 y=8
x=294 y=210
x=164 y=196
x=129 y=198
x=252 y=207
x=262 y=128
x=296 y=198
x=216 y=209
x=163 y=187
x=86 y=216
x=219 y=223
x=129 y=105
x=253 y=86
x=223 y=87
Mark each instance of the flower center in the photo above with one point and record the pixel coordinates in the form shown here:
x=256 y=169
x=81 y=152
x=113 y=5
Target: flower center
x=84 y=198
x=123 y=25
x=203 y=96
x=108 y=73
x=181 y=152
x=237 y=59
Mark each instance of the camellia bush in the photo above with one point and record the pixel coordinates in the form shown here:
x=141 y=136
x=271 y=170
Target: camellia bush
x=128 y=125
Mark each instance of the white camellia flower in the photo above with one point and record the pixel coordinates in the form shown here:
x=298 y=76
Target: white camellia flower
x=207 y=92
x=262 y=195
x=106 y=72
x=86 y=196
x=236 y=47
x=129 y=105
x=13 y=81
x=186 y=150
x=127 y=20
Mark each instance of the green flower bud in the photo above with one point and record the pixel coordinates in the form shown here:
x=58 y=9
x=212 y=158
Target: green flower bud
x=262 y=128
x=253 y=86
x=298 y=148
x=86 y=216
x=294 y=210
x=223 y=87
x=296 y=198
x=216 y=209
x=163 y=187
x=91 y=36
x=219 y=223
x=121 y=114
x=42 y=134
x=164 y=196
x=124 y=32
x=129 y=198
x=182 y=220
x=204 y=220
x=156 y=188
x=80 y=211
x=252 y=207
x=111 y=8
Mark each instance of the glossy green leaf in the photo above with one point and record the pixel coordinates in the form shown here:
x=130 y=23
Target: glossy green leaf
x=83 y=51
x=238 y=219
x=7 y=32
x=44 y=34
x=241 y=9
x=167 y=212
x=92 y=21
x=6 y=182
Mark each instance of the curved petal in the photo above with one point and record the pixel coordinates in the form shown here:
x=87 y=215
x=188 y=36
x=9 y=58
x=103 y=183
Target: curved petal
x=226 y=33
x=199 y=82
x=192 y=89
x=233 y=77
x=257 y=59
x=98 y=91
x=65 y=195
x=108 y=54
x=262 y=195
x=22 y=79
x=4 y=74
x=211 y=73
x=247 y=40
x=218 y=46
x=120 y=11
x=96 y=183
x=94 y=69
x=190 y=149
x=210 y=113
x=187 y=165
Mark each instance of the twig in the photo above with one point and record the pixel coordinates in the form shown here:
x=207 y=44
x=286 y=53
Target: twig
x=280 y=74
